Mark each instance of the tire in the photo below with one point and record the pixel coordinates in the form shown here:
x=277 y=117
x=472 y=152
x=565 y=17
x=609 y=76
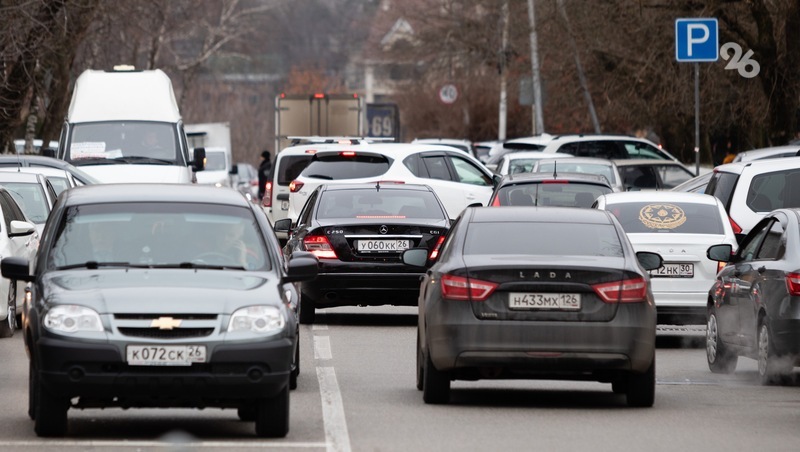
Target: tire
x=9 y=325
x=295 y=365
x=641 y=389
x=33 y=381
x=272 y=415
x=436 y=384
x=307 y=310
x=50 y=412
x=772 y=368
x=247 y=413
x=720 y=359
x=420 y=363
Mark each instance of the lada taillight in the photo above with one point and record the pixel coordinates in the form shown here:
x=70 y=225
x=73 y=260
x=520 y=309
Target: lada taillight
x=626 y=291
x=469 y=289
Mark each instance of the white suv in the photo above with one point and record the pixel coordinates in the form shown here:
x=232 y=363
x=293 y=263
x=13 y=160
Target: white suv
x=458 y=179
x=607 y=146
x=750 y=190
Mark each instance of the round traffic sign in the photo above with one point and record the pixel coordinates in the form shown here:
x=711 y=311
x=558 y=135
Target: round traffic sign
x=448 y=93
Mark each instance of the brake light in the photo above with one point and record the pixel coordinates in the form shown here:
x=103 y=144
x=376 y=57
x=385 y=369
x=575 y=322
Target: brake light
x=736 y=228
x=627 y=291
x=720 y=266
x=266 y=201
x=555 y=181
x=460 y=288
x=347 y=153
x=793 y=283
x=496 y=202
x=319 y=95
x=319 y=246
x=435 y=252
x=295 y=186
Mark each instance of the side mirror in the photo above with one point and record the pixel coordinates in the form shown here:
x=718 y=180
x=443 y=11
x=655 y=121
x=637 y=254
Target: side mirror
x=475 y=204
x=415 y=257
x=283 y=225
x=49 y=152
x=21 y=228
x=302 y=268
x=199 y=162
x=720 y=253
x=16 y=268
x=234 y=170
x=649 y=261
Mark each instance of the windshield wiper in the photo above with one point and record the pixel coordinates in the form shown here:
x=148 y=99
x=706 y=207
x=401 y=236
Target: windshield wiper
x=94 y=264
x=320 y=176
x=95 y=161
x=200 y=266
x=138 y=159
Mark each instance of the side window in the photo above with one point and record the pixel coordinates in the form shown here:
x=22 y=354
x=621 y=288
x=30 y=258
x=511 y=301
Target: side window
x=467 y=173
x=639 y=150
x=15 y=211
x=722 y=185
x=414 y=164
x=641 y=177
x=750 y=247
x=569 y=148
x=7 y=214
x=604 y=149
x=772 y=247
x=672 y=176
x=437 y=167
x=305 y=214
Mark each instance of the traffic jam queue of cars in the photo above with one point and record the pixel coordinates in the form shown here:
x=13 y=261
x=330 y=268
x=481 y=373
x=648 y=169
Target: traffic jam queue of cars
x=178 y=295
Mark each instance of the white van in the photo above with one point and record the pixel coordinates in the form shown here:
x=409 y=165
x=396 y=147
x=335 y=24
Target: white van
x=217 y=170
x=124 y=126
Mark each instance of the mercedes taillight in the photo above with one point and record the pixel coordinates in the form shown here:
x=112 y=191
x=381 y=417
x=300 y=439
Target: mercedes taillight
x=470 y=289
x=319 y=246
x=626 y=291
x=435 y=252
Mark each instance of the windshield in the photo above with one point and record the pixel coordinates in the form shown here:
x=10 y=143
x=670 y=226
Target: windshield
x=159 y=234
x=31 y=199
x=123 y=142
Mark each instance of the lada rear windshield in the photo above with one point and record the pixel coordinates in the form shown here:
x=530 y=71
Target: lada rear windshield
x=543 y=239
x=668 y=217
x=159 y=234
x=346 y=165
x=371 y=203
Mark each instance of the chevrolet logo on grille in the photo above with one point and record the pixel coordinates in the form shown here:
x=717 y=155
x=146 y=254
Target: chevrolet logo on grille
x=165 y=323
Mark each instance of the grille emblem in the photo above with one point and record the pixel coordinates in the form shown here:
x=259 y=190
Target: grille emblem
x=165 y=323
x=383 y=229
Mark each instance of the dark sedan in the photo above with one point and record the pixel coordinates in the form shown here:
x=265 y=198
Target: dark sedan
x=575 y=306
x=754 y=305
x=358 y=232
x=160 y=296
x=550 y=189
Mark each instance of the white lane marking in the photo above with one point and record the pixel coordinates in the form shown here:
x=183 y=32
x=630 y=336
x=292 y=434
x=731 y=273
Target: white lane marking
x=319 y=327
x=336 y=434
x=189 y=445
x=322 y=347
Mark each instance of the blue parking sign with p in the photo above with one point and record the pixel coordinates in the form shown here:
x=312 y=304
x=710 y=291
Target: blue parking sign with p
x=696 y=40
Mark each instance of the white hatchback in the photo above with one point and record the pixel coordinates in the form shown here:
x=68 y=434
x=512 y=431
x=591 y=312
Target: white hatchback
x=18 y=238
x=680 y=227
x=458 y=179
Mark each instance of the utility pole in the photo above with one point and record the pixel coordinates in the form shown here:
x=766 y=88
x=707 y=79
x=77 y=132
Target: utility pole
x=538 y=116
x=503 y=107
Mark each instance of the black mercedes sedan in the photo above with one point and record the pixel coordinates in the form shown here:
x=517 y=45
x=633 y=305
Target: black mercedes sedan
x=576 y=305
x=150 y=295
x=358 y=232
x=754 y=304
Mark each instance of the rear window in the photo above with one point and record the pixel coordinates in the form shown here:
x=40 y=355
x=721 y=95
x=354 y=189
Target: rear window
x=674 y=217
x=721 y=185
x=776 y=190
x=336 y=167
x=573 y=194
x=586 y=168
x=291 y=166
x=555 y=239
x=379 y=203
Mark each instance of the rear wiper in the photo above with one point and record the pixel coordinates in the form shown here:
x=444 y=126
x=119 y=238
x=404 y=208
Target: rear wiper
x=94 y=264
x=137 y=159
x=320 y=176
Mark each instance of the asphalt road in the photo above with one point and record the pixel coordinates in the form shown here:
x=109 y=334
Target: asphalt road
x=356 y=392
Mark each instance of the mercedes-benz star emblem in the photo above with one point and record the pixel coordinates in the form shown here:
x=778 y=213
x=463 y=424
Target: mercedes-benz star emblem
x=383 y=229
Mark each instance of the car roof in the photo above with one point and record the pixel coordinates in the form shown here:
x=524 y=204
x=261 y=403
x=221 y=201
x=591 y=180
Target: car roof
x=646 y=162
x=759 y=165
x=538 y=214
x=395 y=150
x=536 y=155
x=188 y=193
x=574 y=159
x=368 y=186
x=755 y=154
x=10 y=176
x=312 y=148
x=538 y=177
x=32 y=160
x=442 y=140
x=591 y=137
x=660 y=196
x=536 y=139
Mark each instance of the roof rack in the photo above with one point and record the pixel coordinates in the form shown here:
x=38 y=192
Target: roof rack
x=316 y=139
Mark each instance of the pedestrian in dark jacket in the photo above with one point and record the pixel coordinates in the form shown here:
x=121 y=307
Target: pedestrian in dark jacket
x=263 y=172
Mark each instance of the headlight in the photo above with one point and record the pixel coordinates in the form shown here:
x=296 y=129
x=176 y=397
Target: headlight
x=71 y=318
x=258 y=319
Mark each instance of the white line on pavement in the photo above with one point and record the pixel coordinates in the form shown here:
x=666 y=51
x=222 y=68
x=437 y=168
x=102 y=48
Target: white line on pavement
x=188 y=445
x=319 y=327
x=322 y=347
x=336 y=434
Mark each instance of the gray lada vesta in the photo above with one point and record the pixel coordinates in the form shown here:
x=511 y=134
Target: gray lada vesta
x=160 y=296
